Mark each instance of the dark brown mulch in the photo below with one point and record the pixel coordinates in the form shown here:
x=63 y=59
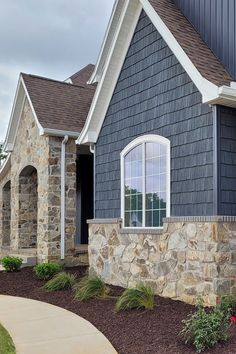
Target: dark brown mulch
x=131 y=332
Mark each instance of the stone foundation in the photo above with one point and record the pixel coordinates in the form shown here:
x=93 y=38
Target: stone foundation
x=190 y=257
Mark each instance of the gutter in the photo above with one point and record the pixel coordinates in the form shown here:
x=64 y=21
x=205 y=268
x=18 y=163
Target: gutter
x=63 y=185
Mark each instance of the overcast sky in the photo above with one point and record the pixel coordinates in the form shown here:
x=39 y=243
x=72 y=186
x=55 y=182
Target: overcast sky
x=52 y=38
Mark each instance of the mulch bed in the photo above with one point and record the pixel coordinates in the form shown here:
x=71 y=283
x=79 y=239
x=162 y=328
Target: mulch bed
x=130 y=332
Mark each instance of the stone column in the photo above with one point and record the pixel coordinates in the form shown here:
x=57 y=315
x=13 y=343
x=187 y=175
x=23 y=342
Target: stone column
x=54 y=198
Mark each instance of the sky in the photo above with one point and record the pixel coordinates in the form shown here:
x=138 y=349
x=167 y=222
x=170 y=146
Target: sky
x=52 y=38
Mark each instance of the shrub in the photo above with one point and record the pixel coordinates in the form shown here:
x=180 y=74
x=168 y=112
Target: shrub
x=46 y=271
x=61 y=281
x=91 y=287
x=228 y=306
x=11 y=264
x=141 y=296
x=204 y=329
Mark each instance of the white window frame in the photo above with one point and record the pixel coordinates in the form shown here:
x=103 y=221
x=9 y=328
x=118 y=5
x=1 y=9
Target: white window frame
x=141 y=141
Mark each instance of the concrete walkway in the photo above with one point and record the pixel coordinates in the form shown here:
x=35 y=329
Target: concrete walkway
x=40 y=328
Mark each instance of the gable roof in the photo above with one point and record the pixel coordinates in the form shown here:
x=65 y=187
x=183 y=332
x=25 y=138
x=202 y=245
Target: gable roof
x=59 y=105
x=59 y=108
x=205 y=70
x=82 y=76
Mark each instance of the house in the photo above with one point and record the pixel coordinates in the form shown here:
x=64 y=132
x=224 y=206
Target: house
x=162 y=126
x=44 y=209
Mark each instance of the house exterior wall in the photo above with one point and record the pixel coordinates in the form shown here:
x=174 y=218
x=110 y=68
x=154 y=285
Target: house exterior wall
x=227 y=160
x=215 y=20
x=155 y=95
x=43 y=153
x=189 y=258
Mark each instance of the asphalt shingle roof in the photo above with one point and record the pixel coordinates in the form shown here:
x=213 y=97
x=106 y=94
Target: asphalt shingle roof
x=60 y=105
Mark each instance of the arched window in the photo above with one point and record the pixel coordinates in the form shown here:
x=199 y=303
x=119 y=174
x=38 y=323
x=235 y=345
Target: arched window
x=145 y=182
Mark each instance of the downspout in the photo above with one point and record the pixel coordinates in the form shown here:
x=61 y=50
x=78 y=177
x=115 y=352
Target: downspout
x=92 y=150
x=63 y=185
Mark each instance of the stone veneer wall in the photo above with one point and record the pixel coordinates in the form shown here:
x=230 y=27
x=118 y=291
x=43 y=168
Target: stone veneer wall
x=28 y=209
x=188 y=258
x=43 y=153
x=6 y=214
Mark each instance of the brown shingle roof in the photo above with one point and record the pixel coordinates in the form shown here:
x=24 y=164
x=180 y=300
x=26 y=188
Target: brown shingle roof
x=191 y=42
x=82 y=77
x=59 y=105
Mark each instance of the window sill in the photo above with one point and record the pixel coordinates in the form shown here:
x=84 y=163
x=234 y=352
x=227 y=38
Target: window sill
x=141 y=231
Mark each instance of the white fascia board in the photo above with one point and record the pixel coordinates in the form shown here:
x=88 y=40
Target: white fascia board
x=88 y=139
x=115 y=59
x=9 y=135
x=61 y=133
x=226 y=97
x=116 y=11
x=205 y=87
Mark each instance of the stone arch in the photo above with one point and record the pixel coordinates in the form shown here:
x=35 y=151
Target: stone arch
x=28 y=207
x=6 y=214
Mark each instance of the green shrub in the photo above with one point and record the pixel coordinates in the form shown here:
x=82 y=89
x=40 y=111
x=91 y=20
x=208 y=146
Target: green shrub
x=46 y=271
x=228 y=305
x=141 y=296
x=204 y=329
x=61 y=281
x=11 y=264
x=91 y=287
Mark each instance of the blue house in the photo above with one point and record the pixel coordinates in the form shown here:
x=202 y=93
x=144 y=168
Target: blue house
x=162 y=127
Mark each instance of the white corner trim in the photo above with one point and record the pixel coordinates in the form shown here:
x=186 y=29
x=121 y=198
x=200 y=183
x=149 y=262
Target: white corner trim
x=112 y=67
x=141 y=140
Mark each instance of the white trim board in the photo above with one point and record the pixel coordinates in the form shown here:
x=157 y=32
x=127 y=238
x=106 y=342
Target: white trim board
x=118 y=48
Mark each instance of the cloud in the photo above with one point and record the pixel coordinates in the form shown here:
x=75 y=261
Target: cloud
x=52 y=38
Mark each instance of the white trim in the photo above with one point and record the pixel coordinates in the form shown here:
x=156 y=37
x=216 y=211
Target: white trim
x=116 y=11
x=61 y=133
x=141 y=140
x=112 y=67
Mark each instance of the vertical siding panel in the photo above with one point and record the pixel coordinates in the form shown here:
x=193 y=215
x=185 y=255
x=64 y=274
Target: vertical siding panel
x=215 y=20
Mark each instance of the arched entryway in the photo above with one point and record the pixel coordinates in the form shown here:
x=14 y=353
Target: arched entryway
x=6 y=214
x=28 y=207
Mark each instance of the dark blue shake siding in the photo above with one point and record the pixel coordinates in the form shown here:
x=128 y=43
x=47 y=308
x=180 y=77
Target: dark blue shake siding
x=227 y=161
x=154 y=95
x=215 y=20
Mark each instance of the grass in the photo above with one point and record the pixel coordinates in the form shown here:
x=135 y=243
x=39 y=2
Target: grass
x=141 y=296
x=90 y=288
x=6 y=343
x=61 y=281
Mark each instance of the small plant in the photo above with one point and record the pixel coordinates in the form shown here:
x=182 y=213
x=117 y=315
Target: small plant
x=204 y=329
x=11 y=264
x=91 y=287
x=141 y=296
x=228 y=306
x=46 y=271
x=61 y=281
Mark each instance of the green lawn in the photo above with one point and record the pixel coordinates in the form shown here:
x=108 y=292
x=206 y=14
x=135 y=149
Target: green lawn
x=6 y=343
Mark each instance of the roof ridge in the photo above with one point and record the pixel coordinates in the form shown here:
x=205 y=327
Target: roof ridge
x=54 y=80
